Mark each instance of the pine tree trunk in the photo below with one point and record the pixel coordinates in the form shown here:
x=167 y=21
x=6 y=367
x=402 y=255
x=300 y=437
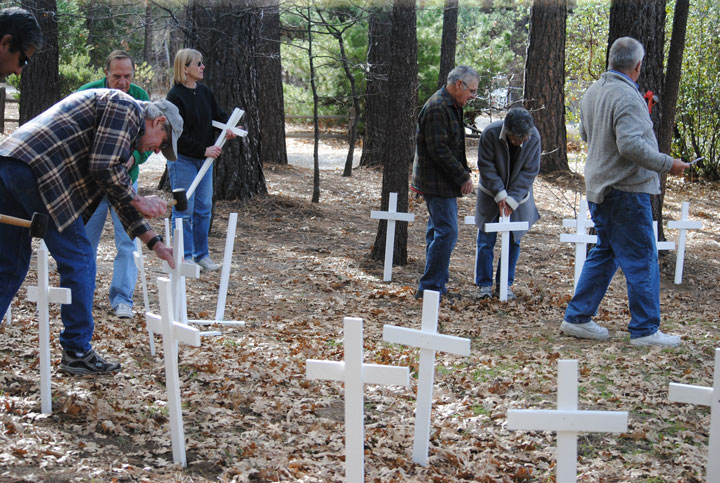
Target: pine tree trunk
x=226 y=33
x=39 y=82
x=449 y=41
x=400 y=147
x=147 y=48
x=545 y=80
x=271 y=100
x=377 y=98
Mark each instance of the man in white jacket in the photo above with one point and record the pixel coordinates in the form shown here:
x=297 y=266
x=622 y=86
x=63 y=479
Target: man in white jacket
x=621 y=173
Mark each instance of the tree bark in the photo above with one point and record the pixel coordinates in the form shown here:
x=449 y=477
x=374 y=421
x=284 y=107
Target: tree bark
x=644 y=20
x=39 y=82
x=545 y=80
x=226 y=33
x=271 y=100
x=377 y=97
x=400 y=147
x=449 y=41
x=147 y=47
x=316 y=127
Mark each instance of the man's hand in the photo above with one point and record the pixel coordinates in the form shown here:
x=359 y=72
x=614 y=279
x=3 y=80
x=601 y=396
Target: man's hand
x=504 y=208
x=213 y=151
x=467 y=187
x=678 y=167
x=149 y=206
x=164 y=253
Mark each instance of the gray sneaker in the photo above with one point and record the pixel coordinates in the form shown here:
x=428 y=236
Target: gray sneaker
x=124 y=311
x=207 y=264
x=588 y=330
x=89 y=363
x=658 y=339
x=484 y=292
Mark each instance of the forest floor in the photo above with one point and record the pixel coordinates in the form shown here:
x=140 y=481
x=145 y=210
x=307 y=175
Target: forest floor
x=298 y=269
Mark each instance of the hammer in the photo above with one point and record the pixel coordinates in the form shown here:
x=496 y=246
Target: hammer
x=179 y=200
x=38 y=224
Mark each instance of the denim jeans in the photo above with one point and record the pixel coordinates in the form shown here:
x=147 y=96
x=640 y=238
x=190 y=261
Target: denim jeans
x=484 y=259
x=125 y=272
x=625 y=239
x=71 y=249
x=196 y=219
x=440 y=239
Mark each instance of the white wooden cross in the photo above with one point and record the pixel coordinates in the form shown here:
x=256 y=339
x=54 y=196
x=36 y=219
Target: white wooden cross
x=683 y=224
x=140 y=264
x=44 y=295
x=224 y=280
x=172 y=332
x=392 y=216
x=177 y=275
x=355 y=374
x=567 y=421
x=505 y=226
x=580 y=238
x=429 y=341
x=662 y=245
x=705 y=396
x=219 y=142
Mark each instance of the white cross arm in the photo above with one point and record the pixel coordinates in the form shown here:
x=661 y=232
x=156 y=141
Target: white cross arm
x=188 y=270
x=426 y=340
x=235 y=130
x=325 y=370
x=685 y=224
x=154 y=322
x=392 y=215
x=386 y=375
x=685 y=393
x=186 y=334
x=572 y=223
x=575 y=238
x=470 y=220
x=56 y=295
x=565 y=420
x=507 y=226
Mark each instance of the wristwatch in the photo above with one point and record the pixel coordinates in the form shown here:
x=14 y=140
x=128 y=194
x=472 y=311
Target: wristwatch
x=151 y=243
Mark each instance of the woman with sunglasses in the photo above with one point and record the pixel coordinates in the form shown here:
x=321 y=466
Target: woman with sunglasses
x=198 y=109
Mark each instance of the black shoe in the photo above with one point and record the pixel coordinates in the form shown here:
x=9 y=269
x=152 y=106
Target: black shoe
x=418 y=294
x=90 y=363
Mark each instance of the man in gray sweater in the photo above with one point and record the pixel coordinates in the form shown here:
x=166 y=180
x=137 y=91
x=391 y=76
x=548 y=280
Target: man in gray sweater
x=621 y=173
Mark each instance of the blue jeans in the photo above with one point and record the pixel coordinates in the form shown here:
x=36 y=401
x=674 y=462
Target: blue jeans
x=71 y=249
x=196 y=219
x=440 y=239
x=625 y=239
x=484 y=259
x=125 y=272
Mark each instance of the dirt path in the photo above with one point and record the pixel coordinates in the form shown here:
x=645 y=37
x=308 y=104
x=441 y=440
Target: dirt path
x=298 y=269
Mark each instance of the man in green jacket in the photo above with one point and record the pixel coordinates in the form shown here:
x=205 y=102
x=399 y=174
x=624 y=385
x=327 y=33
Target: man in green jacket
x=119 y=71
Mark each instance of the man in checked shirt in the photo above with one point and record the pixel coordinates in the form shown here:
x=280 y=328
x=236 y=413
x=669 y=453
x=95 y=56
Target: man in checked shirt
x=62 y=163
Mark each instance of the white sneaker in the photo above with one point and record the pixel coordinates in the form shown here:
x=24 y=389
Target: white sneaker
x=124 y=311
x=207 y=264
x=588 y=330
x=658 y=339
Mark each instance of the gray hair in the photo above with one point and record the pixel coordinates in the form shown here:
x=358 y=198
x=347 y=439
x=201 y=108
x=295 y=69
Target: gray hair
x=519 y=122
x=153 y=112
x=462 y=73
x=625 y=54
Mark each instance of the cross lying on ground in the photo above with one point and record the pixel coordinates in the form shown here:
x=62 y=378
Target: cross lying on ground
x=172 y=332
x=567 y=421
x=429 y=341
x=705 y=396
x=355 y=374
x=44 y=295
x=392 y=216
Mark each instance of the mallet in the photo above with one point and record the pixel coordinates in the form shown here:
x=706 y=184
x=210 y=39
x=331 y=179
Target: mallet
x=179 y=200
x=38 y=224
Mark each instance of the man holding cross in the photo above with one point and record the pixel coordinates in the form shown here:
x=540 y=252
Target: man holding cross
x=62 y=163
x=621 y=173
x=441 y=173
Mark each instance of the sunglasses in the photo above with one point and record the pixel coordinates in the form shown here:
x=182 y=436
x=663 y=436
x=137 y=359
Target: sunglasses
x=199 y=63
x=23 y=60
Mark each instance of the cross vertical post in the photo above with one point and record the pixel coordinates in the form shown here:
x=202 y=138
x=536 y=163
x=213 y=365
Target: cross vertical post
x=392 y=216
x=580 y=238
x=43 y=295
x=705 y=396
x=505 y=226
x=428 y=340
x=227 y=261
x=140 y=264
x=683 y=225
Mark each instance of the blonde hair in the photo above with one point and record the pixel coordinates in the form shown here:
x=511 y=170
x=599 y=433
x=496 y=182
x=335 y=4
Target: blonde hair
x=184 y=58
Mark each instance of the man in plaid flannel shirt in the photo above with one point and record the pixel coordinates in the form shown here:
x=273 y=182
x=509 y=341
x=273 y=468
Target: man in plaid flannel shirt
x=62 y=163
x=441 y=173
